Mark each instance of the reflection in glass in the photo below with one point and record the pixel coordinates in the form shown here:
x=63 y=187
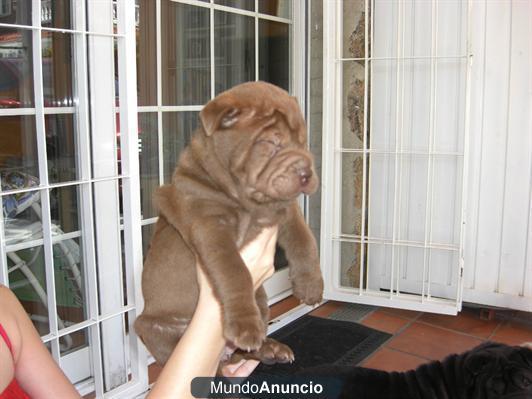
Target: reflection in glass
x=16 y=12
x=73 y=342
x=148 y=162
x=60 y=147
x=242 y=4
x=64 y=209
x=147 y=232
x=146 y=53
x=279 y=8
x=56 y=14
x=16 y=68
x=22 y=217
x=69 y=281
x=186 y=76
x=274 y=50
x=57 y=69
x=177 y=130
x=27 y=279
x=18 y=152
x=234 y=49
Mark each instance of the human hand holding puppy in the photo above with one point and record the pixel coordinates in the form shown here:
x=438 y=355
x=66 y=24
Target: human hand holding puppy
x=200 y=348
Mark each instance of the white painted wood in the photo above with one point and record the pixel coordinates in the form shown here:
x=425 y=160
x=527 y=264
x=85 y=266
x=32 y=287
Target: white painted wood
x=498 y=260
x=106 y=194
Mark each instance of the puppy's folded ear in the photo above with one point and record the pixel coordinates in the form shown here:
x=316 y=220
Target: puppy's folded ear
x=218 y=114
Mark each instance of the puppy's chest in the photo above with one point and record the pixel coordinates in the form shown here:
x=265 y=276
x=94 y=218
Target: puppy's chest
x=250 y=224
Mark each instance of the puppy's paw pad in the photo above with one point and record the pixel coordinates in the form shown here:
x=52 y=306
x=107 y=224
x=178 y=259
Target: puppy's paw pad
x=246 y=333
x=308 y=290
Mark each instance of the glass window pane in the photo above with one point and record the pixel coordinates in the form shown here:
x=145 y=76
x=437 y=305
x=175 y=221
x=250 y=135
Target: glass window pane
x=18 y=152
x=64 y=209
x=234 y=49
x=27 y=279
x=279 y=8
x=22 y=217
x=177 y=130
x=147 y=233
x=186 y=76
x=148 y=162
x=242 y=4
x=274 y=53
x=69 y=282
x=146 y=53
x=57 y=69
x=15 y=12
x=56 y=14
x=60 y=148
x=16 y=68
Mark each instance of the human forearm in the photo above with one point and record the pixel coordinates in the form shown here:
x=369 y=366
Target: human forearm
x=196 y=355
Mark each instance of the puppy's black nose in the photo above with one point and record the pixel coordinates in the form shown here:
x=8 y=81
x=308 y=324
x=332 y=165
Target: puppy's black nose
x=304 y=176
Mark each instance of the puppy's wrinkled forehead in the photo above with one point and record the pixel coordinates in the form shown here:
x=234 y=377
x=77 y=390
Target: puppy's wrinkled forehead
x=251 y=100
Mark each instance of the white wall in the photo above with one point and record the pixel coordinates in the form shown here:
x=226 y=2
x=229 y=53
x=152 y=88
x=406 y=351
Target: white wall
x=498 y=253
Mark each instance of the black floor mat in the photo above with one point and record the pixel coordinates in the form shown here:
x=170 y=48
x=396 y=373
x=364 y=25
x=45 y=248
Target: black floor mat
x=317 y=341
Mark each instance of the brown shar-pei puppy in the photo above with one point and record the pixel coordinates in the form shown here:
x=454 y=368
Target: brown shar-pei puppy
x=244 y=169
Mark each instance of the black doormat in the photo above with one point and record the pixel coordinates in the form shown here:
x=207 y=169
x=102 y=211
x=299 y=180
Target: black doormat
x=317 y=341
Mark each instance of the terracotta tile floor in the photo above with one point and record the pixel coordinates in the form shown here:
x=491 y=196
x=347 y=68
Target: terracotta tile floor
x=418 y=337
x=422 y=337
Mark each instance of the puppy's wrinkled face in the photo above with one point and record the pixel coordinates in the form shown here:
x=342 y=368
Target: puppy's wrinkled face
x=261 y=136
x=500 y=371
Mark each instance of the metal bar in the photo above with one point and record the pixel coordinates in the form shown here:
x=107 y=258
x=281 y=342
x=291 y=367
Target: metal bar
x=233 y=10
x=369 y=145
x=159 y=108
x=16 y=111
x=364 y=146
x=413 y=57
x=387 y=152
x=465 y=169
x=43 y=176
x=212 y=52
x=329 y=163
x=59 y=30
x=4 y=274
x=256 y=19
x=406 y=301
x=397 y=140
x=434 y=47
x=65 y=184
x=131 y=186
x=398 y=243
x=428 y=203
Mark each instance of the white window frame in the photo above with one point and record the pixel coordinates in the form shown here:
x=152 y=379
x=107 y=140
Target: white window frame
x=127 y=356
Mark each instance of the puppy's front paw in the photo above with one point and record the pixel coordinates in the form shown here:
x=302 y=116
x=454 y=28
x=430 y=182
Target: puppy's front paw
x=245 y=332
x=308 y=288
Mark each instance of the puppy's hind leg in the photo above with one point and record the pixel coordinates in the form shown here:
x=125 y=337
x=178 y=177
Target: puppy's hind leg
x=160 y=334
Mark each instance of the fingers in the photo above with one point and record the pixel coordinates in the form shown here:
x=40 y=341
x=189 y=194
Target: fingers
x=241 y=369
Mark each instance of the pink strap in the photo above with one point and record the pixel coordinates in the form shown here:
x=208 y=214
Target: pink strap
x=3 y=334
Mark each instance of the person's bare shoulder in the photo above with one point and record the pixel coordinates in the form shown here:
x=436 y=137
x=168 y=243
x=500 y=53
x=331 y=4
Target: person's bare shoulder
x=10 y=312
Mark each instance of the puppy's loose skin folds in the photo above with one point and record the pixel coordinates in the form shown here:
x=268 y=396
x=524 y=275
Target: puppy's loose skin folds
x=244 y=169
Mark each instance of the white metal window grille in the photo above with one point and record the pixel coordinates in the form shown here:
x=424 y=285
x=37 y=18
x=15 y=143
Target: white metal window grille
x=68 y=186
x=395 y=143
x=190 y=51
